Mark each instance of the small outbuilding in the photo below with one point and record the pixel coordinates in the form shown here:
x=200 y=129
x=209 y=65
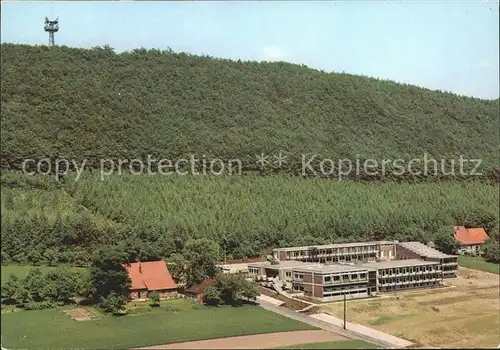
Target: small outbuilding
x=470 y=239
x=197 y=291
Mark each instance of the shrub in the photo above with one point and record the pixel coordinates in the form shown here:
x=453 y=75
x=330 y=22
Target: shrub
x=491 y=251
x=40 y=305
x=154 y=298
x=212 y=296
x=114 y=304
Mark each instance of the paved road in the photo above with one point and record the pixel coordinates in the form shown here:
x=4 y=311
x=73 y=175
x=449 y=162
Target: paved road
x=325 y=325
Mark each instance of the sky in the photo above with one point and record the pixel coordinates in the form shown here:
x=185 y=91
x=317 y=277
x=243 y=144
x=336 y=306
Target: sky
x=441 y=45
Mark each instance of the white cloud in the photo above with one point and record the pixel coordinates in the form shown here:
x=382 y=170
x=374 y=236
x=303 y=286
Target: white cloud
x=273 y=53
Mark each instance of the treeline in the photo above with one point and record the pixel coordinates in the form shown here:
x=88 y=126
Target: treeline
x=39 y=290
x=81 y=104
x=107 y=283
x=241 y=216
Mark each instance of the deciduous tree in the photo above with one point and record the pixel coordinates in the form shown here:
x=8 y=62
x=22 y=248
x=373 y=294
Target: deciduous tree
x=10 y=287
x=201 y=256
x=108 y=274
x=491 y=251
x=445 y=241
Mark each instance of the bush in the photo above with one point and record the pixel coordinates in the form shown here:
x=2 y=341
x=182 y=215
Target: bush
x=40 y=305
x=212 y=296
x=230 y=289
x=10 y=287
x=491 y=251
x=154 y=298
x=114 y=304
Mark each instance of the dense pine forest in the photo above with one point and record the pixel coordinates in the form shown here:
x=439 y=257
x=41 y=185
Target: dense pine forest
x=45 y=221
x=92 y=104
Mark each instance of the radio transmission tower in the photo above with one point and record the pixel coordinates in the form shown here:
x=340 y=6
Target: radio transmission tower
x=51 y=27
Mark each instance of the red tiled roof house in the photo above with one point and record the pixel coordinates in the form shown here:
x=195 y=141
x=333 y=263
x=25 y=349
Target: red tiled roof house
x=198 y=290
x=150 y=276
x=470 y=239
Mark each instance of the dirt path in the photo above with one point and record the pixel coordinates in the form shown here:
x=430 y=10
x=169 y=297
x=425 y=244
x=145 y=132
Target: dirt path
x=257 y=341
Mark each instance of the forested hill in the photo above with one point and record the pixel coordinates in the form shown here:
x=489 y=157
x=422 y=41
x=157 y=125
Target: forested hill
x=77 y=103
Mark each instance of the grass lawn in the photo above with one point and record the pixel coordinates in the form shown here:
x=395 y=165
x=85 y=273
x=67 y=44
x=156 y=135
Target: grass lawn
x=52 y=329
x=22 y=270
x=478 y=264
x=340 y=344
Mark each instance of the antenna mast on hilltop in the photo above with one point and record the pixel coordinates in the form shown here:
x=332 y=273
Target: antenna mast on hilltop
x=51 y=27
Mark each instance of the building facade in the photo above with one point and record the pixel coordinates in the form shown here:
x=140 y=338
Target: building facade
x=405 y=274
x=331 y=282
x=368 y=252
x=342 y=252
x=417 y=250
x=354 y=270
x=269 y=273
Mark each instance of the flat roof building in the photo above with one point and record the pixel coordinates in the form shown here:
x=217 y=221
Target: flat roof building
x=339 y=252
x=405 y=274
x=419 y=267
x=417 y=250
x=330 y=271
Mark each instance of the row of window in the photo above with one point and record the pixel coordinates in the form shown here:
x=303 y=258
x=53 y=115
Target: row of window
x=411 y=269
x=353 y=277
x=363 y=249
x=334 y=294
x=299 y=276
x=414 y=276
x=334 y=259
x=345 y=278
x=424 y=284
x=406 y=279
x=347 y=287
